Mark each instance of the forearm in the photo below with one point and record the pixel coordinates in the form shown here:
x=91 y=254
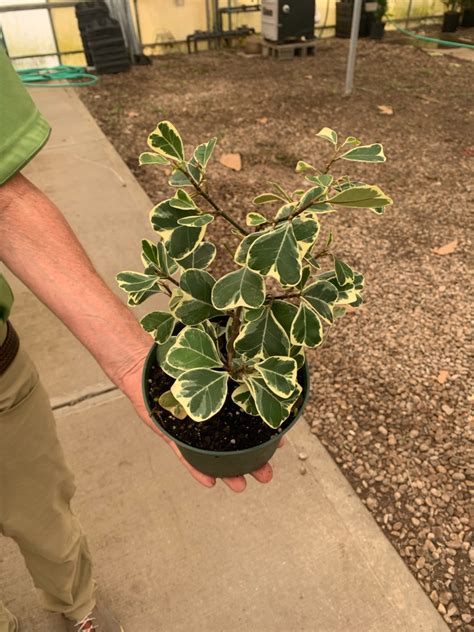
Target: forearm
x=39 y=247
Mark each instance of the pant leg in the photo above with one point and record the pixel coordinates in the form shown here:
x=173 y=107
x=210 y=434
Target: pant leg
x=36 y=488
x=7 y=620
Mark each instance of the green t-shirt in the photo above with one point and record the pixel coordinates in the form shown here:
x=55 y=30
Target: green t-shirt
x=23 y=131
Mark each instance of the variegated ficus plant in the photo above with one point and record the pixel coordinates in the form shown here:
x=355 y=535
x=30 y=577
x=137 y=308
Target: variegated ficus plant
x=246 y=332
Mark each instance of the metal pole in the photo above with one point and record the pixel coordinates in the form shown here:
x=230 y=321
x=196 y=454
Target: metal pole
x=353 y=47
x=408 y=13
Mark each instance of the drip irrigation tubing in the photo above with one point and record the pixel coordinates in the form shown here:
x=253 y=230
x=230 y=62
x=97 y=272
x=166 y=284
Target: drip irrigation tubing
x=70 y=76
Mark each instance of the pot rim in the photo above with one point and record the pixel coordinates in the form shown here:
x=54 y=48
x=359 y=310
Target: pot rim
x=216 y=453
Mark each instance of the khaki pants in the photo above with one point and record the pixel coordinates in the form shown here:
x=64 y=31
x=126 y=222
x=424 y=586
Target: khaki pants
x=36 y=488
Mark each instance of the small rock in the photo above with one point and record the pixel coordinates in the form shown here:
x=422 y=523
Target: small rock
x=302 y=470
x=445 y=597
x=383 y=431
x=371 y=503
x=415 y=521
x=302 y=456
x=392 y=440
x=471 y=554
x=458 y=476
x=467 y=618
x=434 y=597
x=446 y=409
x=420 y=562
x=441 y=608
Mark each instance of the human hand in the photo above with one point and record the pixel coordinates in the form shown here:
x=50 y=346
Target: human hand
x=131 y=386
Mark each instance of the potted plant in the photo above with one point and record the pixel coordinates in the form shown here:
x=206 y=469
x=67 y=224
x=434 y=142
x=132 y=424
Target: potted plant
x=467 y=12
x=226 y=375
x=377 y=27
x=451 y=16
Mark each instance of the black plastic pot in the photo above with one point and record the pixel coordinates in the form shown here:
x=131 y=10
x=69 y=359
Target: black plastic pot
x=377 y=29
x=450 y=22
x=223 y=464
x=468 y=17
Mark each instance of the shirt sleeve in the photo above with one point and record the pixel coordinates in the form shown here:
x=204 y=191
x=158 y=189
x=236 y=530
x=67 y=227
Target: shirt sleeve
x=23 y=130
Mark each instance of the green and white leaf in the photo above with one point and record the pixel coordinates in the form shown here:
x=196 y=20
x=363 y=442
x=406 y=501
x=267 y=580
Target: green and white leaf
x=272 y=409
x=268 y=198
x=313 y=262
x=179 y=179
x=195 y=305
x=200 y=258
x=311 y=195
x=306 y=231
x=165 y=140
x=344 y=273
x=164 y=218
x=306 y=329
x=285 y=211
x=201 y=392
x=137 y=298
x=242 y=288
x=243 y=398
x=302 y=166
x=262 y=338
x=284 y=312
x=148 y=158
x=203 y=152
x=365 y=196
x=297 y=353
x=324 y=180
x=197 y=220
x=321 y=297
x=365 y=153
x=255 y=219
x=276 y=254
x=241 y=253
x=183 y=240
x=171 y=404
x=193 y=349
x=161 y=353
x=351 y=140
x=130 y=281
x=161 y=324
x=328 y=134
x=279 y=373
x=183 y=201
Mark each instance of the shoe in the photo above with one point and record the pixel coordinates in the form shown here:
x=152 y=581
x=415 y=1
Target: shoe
x=100 y=619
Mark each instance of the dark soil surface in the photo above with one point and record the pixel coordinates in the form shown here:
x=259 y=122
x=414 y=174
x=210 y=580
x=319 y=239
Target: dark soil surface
x=390 y=389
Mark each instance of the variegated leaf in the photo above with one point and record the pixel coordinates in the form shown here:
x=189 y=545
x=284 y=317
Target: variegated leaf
x=161 y=353
x=328 y=134
x=276 y=254
x=130 y=281
x=201 y=392
x=364 y=196
x=279 y=374
x=183 y=240
x=262 y=338
x=344 y=273
x=193 y=349
x=242 y=288
x=148 y=158
x=268 y=198
x=255 y=219
x=171 y=404
x=243 y=398
x=306 y=328
x=165 y=140
x=302 y=166
x=203 y=152
x=197 y=220
x=272 y=409
x=284 y=312
x=159 y=323
x=365 y=153
x=241 y=253
x=196 y=304
x=321 y=297
x=182 y=200
x=200 y=258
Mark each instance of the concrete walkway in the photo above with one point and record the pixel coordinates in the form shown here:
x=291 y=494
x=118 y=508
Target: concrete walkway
x=300 y=555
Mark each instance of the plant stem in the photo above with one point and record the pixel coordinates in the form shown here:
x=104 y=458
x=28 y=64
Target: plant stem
x=214 y=205
x=234 y=332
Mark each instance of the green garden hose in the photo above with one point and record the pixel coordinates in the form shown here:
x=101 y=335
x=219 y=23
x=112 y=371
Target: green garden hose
x=76 y=76
x=425 y=38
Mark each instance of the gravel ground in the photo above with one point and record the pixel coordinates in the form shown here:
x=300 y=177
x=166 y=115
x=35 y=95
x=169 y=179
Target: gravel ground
x=390 y=389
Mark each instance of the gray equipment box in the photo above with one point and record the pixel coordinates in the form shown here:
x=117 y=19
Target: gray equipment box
x=288 y=20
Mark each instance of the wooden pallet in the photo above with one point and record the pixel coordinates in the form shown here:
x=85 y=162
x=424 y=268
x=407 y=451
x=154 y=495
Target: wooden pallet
x=288 y=51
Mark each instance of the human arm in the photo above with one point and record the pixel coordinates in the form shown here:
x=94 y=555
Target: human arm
x=33 y=229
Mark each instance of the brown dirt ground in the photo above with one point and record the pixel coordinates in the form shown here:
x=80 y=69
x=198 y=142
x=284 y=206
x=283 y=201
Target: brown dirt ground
x=399 y=435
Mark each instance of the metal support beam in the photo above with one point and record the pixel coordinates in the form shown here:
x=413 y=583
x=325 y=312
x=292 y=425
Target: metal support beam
x=351 y=59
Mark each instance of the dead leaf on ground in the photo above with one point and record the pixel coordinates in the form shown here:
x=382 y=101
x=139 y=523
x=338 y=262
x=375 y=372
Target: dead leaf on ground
x=231 y=161
x=442 y=376
x=132 y=114
x=385 y=109
x=308 y=76
x=263 y=120
x=447 y=249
